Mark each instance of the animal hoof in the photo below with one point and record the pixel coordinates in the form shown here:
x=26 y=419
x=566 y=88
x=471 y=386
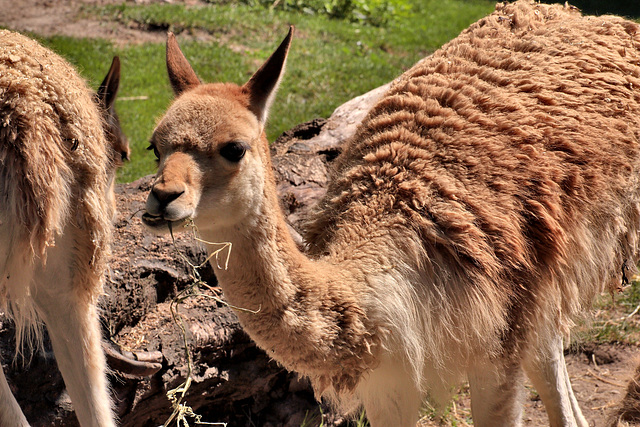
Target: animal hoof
x=136 y=364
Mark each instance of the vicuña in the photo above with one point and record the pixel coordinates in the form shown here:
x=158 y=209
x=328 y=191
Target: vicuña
x=60 y=146
x=481 y=205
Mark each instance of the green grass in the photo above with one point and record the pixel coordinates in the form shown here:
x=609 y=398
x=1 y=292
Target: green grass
x=613 y=320
x=331 y=60
x=456 y=414
x=144 y=90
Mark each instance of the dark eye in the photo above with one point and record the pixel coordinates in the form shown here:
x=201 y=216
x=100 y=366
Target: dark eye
x=233 y=151
x=155 y=151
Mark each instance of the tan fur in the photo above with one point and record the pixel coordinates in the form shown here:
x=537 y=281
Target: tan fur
x=628 y=410
x=56 y=169
x=482 y=204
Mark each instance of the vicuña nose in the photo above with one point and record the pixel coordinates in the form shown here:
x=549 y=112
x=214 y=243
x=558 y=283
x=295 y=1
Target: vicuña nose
x=166 y=193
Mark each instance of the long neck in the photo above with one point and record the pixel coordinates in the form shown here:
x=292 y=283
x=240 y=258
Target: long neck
x=307 y=314
x=265 y=269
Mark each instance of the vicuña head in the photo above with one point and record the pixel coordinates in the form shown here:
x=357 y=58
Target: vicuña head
x=119 y=150
x=211 y=146
x=106 y=99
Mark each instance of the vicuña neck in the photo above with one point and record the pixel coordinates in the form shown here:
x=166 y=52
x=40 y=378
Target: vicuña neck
x=307 y=314
x=265 y=268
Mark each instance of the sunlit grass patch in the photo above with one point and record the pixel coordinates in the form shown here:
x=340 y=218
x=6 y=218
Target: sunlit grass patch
x=331 y=61
x=456 y=414
x=614 y=319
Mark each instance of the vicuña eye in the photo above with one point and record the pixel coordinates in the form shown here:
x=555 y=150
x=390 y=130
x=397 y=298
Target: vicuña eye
x=233 y=151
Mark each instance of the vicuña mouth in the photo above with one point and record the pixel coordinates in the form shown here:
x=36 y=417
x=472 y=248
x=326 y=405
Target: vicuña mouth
x=154 y=221
x=159 y=221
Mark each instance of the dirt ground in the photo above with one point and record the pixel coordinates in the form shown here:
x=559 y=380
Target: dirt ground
x=65 y=17
x=599 y=376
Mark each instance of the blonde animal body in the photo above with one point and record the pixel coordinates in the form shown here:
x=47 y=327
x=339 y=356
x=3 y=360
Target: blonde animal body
x=60 y=145
x=481 y=205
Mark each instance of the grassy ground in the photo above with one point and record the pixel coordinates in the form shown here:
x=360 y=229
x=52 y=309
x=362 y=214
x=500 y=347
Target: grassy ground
x=331 y=61
x=615 y=319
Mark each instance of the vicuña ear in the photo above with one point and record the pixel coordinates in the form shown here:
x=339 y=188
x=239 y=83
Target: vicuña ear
x=264 y=83
x=109 y=87
x=181 y=75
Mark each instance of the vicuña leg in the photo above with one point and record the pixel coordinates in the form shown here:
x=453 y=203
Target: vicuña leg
x=10 y=413
x=496 y=395
x=547 y=370
x=75 y=337
x=72 y=321
x=390 y=397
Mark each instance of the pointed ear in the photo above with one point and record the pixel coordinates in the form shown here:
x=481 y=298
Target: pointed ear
x=109 y=87
x=264 y=83
x=181 y=75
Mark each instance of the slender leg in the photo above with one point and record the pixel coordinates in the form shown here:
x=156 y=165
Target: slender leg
x=390 y=397
x=75 y=337
x=581 y=421
x=548 y=373
x=10 y=413
x=72 y=321
x=496 y=395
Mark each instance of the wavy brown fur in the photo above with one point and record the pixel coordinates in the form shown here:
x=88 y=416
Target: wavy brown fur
x=510 y=156
x=480 y=206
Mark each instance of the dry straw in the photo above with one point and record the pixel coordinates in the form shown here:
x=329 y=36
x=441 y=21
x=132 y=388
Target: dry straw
x=181 y=411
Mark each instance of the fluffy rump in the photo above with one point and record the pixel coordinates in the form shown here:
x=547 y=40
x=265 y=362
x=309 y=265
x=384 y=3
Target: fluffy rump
x=498 y=181
x=53 y=172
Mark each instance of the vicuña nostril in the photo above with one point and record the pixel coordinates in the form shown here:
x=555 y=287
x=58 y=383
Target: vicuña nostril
x=166 y=194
